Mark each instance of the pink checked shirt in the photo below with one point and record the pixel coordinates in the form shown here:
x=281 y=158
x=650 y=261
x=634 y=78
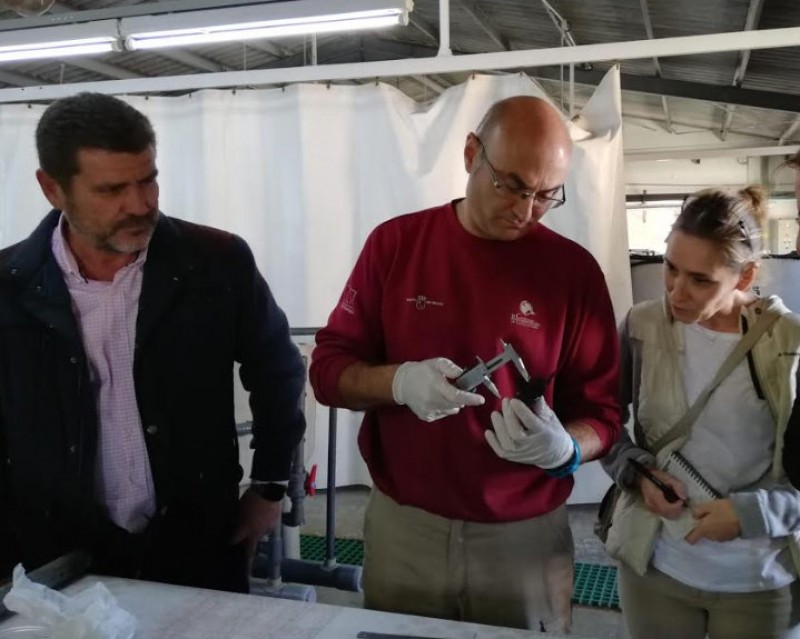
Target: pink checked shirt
x=106 y=313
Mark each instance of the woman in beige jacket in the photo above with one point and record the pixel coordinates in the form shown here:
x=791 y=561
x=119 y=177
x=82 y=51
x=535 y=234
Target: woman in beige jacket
x=719 y=560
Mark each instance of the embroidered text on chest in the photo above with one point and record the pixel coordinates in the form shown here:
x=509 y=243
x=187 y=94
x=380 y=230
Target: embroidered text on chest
x=525 y=316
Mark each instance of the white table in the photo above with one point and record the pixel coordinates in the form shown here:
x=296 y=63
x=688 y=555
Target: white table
x=174 y=612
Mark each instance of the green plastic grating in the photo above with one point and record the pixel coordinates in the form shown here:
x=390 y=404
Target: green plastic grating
x=595 y=585
x=348 y=551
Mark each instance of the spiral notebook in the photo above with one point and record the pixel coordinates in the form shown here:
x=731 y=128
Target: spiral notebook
x=697 y=488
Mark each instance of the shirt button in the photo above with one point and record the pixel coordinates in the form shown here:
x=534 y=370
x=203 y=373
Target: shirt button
x=152 y=429
x=164 y=511
x=73 y=360
x=73 y=449
x=200 y=476
x=14 y=271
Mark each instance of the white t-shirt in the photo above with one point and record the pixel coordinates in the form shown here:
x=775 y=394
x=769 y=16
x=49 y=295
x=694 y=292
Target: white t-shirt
x=731 y=444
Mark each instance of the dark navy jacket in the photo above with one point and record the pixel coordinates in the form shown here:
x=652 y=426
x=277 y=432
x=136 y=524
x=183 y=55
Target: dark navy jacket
x=203 y=307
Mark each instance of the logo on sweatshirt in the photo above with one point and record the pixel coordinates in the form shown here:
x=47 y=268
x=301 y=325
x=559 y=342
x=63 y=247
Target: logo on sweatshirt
x=421 y=302
x=525 y=316
x=349 y=300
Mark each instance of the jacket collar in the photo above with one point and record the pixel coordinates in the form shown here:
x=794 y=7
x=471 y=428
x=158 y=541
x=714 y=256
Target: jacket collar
x=31 y=267
x=29 y=256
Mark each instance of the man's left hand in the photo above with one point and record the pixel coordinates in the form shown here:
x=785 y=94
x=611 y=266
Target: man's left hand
x=716 y=520
x=257 y=516
x=530 y=436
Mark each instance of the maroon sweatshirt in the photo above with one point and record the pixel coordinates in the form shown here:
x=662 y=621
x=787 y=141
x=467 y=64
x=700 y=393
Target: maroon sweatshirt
x=423 y=287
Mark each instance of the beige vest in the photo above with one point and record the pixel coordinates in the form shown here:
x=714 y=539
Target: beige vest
x=662 y=403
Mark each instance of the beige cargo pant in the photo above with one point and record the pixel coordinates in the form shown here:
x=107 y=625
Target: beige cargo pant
x=657 y=606
x=514 y=574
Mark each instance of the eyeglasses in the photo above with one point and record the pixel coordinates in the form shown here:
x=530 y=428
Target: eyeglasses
x=552 y=198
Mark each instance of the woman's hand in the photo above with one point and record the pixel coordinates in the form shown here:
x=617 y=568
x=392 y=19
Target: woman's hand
x=716 y=520
x=654 y=499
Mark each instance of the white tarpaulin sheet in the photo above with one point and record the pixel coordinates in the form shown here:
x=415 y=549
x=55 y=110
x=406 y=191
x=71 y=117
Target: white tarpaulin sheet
x=306 y=172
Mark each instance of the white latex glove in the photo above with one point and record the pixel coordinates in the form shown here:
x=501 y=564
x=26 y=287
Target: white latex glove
x=425 y=389
x=526 y=436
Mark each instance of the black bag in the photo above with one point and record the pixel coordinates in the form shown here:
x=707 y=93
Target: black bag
x=605 y=513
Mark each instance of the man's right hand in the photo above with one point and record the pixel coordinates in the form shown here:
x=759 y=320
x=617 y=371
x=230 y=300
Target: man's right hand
x=425 y=388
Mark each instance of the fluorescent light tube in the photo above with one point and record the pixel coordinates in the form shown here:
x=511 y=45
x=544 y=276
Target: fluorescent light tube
x=56 y=50
x=246 y=22
x=269 y=20
x=249 y=31
x=59 y=42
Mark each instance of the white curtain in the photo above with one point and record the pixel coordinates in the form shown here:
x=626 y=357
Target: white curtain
x=306 y=172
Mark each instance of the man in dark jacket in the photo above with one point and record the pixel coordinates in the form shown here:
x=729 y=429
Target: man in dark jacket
x=119 y=329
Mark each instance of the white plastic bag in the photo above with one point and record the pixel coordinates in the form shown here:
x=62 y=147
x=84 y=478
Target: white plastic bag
x=91 y=614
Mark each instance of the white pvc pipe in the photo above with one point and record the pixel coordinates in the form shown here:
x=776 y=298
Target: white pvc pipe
x=687 y=45
x=444 y=28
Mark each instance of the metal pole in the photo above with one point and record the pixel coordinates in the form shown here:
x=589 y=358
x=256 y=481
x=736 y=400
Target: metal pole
x=571 y=91
x=444 y=28
x=330 y=514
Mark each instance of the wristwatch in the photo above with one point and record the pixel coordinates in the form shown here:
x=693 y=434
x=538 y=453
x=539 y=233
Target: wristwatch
x=269 y=490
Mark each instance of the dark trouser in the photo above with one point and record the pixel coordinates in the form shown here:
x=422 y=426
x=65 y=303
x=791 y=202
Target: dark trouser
x=181 y=552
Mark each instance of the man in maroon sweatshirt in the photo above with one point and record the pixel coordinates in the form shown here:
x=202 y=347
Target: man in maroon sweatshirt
x=467 y=519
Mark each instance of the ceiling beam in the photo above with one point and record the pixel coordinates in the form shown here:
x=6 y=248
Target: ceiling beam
x=429 y=83
x=648 y=28
x=265 y=46
x=650 y=155
x=561 y=24
x=790 y=131
x=688 y=90
x=18 y=79
x=667 y=115
x=750 y=23
x=189 y=59
x=331 y=46
x=100 y=67
x=423 y=27
x=505 y=60
x=475 y=12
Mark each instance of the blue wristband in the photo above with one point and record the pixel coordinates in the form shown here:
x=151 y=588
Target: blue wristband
x=570 y=467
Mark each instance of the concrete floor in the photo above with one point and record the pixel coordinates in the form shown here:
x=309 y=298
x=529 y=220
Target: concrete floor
x=350 y=503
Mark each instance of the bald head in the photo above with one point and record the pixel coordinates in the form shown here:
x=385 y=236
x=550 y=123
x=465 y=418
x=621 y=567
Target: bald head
x=517 y=161
x=532 y=121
